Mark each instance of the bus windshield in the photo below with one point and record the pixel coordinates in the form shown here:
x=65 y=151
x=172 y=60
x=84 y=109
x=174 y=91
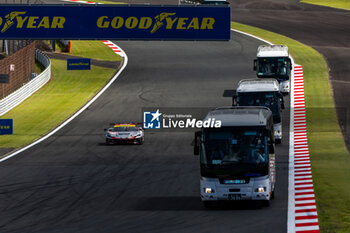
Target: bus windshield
x=267 y=99
x=236 y=146
x=273 y=66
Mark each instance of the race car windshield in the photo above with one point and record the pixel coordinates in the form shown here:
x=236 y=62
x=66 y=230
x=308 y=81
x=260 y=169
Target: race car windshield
x=124 y=129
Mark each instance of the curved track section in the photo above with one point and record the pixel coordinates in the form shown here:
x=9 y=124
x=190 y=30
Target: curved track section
x=323 y=28
x=73 y=182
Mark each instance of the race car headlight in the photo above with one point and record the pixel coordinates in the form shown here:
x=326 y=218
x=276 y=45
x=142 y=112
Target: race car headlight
x=209 y=190
x=277 y=132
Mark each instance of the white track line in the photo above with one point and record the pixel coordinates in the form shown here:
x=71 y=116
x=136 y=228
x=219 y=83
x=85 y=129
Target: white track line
x=116 y=50
x=125 y=62
x=298 y=150
x=295 y=208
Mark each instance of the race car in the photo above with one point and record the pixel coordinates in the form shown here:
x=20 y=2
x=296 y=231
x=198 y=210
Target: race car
x=125 y=133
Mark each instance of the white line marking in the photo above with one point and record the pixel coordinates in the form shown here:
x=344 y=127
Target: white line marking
x=291 y=197
x=72 y=117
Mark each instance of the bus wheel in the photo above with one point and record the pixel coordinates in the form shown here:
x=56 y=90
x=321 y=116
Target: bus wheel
x=208 y=204
x=266 y=203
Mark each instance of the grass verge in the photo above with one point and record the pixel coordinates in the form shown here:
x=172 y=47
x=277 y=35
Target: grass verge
x=329 y=156
x=39 y=67
x=94 y=49
x=340 y=4
x=56 y=101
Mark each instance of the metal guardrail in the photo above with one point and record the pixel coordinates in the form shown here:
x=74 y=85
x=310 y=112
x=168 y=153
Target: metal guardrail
x=18 y=96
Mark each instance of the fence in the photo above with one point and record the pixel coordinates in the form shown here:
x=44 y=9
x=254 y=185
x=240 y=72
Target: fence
x=15 y=98
x=19 y=66
x=9 y=47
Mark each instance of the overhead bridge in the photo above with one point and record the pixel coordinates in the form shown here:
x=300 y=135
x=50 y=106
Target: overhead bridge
x=122 y=22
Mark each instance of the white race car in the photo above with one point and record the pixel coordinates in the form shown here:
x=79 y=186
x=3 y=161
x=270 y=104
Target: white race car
x=125 y=133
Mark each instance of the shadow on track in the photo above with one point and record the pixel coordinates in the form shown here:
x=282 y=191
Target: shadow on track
x=190 y=203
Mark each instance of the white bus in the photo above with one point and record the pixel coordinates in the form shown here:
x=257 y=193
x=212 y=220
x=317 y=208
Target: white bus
x=262 y=92
x=273 y=62
x=237 y=161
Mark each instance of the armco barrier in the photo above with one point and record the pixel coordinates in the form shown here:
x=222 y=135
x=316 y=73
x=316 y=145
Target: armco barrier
x=15 y=98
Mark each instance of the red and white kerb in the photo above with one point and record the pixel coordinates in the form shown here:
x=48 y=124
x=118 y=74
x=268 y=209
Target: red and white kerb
x=114 y=47
x=302 y=203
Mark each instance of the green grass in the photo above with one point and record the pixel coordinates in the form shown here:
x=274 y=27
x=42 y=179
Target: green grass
x=340 y=4
x=329 y=157
x=66 y=92
x=94 y=49
x=39 y=67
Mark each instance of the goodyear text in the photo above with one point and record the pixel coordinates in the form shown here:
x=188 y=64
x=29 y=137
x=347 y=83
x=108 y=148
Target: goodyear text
x=21 y=20
x=108 y=22
x=167 y=20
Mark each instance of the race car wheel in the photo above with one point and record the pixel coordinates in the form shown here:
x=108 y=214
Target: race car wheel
x=107 y=141
x=140 y=141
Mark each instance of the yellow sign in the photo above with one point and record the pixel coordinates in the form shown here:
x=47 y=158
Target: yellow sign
x=23 y=21
x=167 y=19
x=114 y=22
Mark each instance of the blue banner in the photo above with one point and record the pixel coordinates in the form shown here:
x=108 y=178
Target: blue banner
x=78 y=64
x=6 y=126
x=114 y=22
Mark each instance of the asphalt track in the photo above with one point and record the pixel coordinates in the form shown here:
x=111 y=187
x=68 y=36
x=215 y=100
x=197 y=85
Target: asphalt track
x=73 y=182
x=325 y=29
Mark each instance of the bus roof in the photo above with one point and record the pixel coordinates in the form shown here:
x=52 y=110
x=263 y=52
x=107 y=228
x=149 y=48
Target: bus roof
x=241 y=116
x=272 y=51
x=258 y=85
